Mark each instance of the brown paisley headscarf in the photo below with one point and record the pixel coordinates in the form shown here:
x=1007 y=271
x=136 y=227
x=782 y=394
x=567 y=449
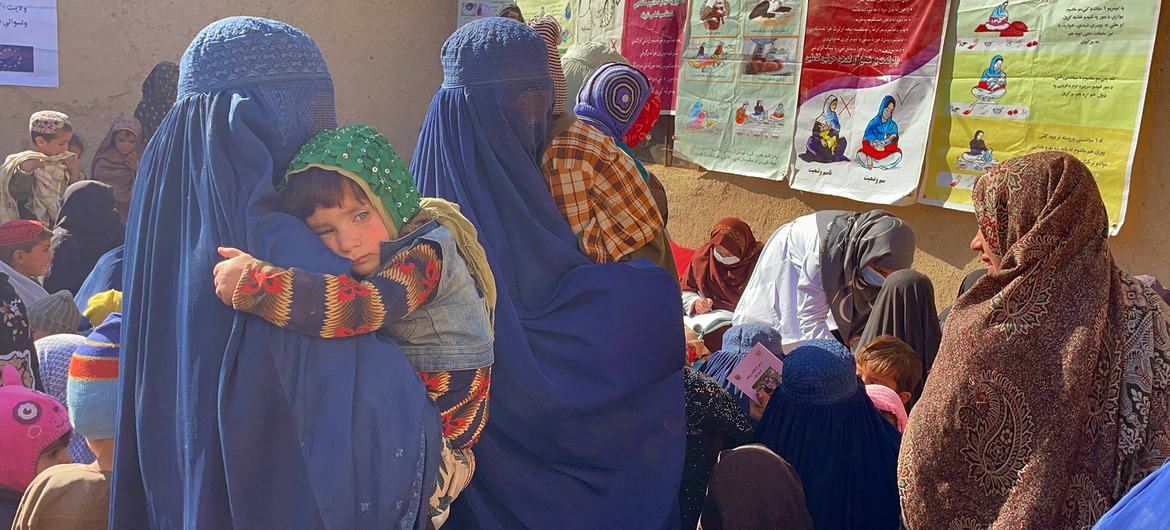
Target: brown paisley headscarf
x=1048 y=399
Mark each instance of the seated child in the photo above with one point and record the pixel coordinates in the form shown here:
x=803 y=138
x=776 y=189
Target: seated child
x=16 y=343
x=421 y=278
x=889 y=362
x=25 y=254
x=77 y=496
x=53 y=315
x=34 y=433
x=33 y=182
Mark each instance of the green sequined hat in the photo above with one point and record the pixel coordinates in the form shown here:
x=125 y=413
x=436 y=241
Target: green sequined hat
x=361 y=153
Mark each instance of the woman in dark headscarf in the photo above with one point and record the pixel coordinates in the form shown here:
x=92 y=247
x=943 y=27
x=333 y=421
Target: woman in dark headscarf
x=89 y=227
x=1049 y=397
x=968 y=282
x=905 y=309
x=158 y=94
x=571 y=441
x=714 y=422
x=821 y=420
x=823 y=272
x=753 y=488
x=511 y=11
x=212 y=402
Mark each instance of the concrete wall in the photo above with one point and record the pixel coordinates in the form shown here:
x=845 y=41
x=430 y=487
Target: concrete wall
x=384 y=59
x=698 y=199
x=384 y=56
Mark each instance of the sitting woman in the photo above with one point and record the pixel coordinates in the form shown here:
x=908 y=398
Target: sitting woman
x=993 y=83
x=89 y=227
x=819 y=275
x=1046 y=402
x=825 y=144
x=905 y=309
x=716 y=276
x=879 y=146
x=998 y=21
x=821 y=420
x=979 y=153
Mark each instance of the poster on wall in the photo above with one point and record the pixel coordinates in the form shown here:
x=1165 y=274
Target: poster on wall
x=28 y=43
x=469 y=11
x=737 y=85
x=866 y=97
x=652 y=37
x=601 y=21
x=565 y=11
x=1067 y=75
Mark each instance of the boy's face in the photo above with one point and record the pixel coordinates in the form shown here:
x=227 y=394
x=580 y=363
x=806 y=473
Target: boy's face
x=59 y=144
x=351 y=230
x=36 y=261
x=125 y=142
x=871 y=377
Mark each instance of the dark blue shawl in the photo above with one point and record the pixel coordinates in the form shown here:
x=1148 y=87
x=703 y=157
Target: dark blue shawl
x=587 y=425
x=225 y=420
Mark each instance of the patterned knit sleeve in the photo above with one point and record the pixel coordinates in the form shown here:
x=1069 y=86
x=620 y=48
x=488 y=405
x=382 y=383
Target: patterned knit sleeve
x=462 y=399
x=328 y=306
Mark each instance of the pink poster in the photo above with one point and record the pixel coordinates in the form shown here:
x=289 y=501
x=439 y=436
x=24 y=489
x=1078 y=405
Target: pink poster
x=651 y=39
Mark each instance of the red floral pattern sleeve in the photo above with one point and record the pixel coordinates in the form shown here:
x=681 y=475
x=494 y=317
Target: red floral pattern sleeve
x=328 y=306
x=462 y=399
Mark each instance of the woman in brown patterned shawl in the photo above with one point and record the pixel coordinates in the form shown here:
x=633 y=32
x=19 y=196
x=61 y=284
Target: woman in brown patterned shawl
x=1048 y=399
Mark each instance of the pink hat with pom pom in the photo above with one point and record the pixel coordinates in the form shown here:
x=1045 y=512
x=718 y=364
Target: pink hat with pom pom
x=30 y=421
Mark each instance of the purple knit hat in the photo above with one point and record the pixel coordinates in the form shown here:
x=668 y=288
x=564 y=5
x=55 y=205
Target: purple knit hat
x=612 y=98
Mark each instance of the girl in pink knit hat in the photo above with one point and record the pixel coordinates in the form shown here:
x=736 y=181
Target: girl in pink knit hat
x=34 y=435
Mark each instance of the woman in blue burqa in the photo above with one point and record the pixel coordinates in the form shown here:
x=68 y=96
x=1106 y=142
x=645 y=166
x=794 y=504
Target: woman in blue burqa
x=587 y=428
x=224 y=420
x=825 y=144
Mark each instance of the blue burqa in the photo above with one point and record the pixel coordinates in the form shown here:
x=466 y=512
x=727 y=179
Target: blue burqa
x=587 y=424
x=224 y=420
x=737 y=342
x=822 y=422
x=106 y=275
x=1145 y=507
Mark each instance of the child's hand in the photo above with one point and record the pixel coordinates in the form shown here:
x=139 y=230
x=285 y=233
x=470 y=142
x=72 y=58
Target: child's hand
x=73 y=166
x=28 y=166
x=227 y=273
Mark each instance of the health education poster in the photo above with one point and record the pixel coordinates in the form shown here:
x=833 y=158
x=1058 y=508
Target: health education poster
x=28 y=43
x=651 y=35
x=601 y=21
x=565 y=11
x=737 y=85
x=866 y=97
x=469 y=11
x=1057 y=75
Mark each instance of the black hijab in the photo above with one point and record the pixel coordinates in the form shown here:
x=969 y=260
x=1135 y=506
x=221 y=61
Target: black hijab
x=89 y=227
x=904 y=308
x=158 y=96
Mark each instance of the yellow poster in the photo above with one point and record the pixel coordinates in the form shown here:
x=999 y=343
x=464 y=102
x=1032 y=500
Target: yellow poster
x=1018 y=78
x=565 y=11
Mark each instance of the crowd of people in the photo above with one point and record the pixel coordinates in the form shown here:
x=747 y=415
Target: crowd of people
x=261 y=319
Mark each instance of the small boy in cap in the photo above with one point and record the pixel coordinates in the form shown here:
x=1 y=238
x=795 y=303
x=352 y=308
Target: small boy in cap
x=77 y=496
x=25 y=254
x=32 y=182
x=34 y=433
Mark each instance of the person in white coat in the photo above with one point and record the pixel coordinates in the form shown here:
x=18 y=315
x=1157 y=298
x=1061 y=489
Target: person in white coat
x=821 y=273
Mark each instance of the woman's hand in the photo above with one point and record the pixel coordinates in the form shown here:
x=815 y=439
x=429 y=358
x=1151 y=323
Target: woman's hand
x=227 y=273
x=703 y=306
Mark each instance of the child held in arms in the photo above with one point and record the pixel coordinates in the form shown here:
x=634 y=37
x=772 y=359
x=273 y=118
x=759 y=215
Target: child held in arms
x=419 y=276
x=32 y=182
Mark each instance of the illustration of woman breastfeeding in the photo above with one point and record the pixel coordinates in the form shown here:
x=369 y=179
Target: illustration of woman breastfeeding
x=992 y=84
x=825 y=144
x=879 y=145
